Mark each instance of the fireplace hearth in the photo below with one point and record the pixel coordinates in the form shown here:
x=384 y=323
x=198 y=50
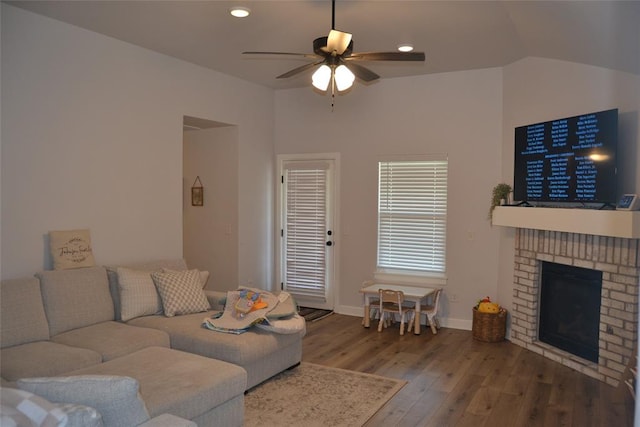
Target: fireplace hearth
x=570 y=309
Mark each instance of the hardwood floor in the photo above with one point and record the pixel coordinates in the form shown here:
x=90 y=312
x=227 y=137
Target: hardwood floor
x=453 y=380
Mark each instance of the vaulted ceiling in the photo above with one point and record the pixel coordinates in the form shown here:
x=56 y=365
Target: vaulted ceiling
x=455 y=35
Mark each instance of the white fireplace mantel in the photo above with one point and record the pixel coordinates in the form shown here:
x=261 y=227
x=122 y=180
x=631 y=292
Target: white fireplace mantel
x=611 y=223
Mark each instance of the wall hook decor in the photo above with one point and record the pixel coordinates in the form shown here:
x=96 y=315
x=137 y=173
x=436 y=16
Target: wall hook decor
x=197 y=193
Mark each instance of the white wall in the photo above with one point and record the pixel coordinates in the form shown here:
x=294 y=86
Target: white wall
x=92 y=137
x=211 y=230
x=537 y=90
x=455 y=113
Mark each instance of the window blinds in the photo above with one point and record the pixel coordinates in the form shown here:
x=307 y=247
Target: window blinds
x=412 y=216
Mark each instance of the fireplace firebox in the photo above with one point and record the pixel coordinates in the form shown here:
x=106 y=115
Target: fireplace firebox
x=570 y=309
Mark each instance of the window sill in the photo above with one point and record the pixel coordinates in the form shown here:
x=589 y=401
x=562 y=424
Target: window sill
x=410 y=279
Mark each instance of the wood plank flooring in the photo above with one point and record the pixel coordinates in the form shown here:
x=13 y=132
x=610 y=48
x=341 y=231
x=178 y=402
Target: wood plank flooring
x=456 y=381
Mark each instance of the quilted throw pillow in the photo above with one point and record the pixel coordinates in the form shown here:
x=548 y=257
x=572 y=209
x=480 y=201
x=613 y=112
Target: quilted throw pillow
x=181 y=292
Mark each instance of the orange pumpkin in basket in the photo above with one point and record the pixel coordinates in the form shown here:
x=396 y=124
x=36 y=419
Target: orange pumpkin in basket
x=489 y=307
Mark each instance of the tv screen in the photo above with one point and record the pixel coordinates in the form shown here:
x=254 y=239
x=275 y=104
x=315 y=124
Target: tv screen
x=567 y=160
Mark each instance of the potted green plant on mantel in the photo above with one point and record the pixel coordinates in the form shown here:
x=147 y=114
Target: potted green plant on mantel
x=500 y=196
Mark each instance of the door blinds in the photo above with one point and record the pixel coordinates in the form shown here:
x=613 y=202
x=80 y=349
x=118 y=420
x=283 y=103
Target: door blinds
x=305 y=230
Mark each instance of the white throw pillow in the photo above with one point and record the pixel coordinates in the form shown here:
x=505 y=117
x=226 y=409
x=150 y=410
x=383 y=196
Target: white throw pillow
x=181 y=292
x=138 y=294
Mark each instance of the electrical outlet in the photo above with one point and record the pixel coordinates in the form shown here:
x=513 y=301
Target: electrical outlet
x=453 y=298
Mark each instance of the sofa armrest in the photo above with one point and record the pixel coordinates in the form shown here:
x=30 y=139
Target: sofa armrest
x=168 y=420
x=216 y=299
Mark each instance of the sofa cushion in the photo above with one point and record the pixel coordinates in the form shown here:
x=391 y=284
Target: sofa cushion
x=22 y=408
x=187 y=334
x=116 y=398
x=44 y=358
x=138 y=294
x=113 y=339
x=71 y=249
x=151 y=266
x=262 y=353
x=75 y=298
x=22 y=318
x=181 y=292
x=175 y=382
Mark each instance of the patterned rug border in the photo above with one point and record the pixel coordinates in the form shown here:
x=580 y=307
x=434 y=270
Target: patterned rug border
x=367 y=414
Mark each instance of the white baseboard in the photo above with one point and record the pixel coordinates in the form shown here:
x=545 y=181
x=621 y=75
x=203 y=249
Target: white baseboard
x=446 y=322
x=349 y=310
x=457 y=323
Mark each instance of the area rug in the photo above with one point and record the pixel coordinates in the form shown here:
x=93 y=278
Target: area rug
x=313 y=314
x=312 y=395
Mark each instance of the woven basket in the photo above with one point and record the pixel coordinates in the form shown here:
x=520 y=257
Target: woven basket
x=489 y=327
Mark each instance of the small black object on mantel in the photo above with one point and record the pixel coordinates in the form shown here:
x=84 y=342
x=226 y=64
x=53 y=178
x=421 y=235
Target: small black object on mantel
x=197 y=193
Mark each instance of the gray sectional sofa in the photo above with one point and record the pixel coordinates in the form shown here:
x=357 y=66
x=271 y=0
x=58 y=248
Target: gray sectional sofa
x=68 y=323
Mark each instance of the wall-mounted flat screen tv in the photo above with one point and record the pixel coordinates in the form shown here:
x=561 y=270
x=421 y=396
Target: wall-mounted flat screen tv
x=567 y=160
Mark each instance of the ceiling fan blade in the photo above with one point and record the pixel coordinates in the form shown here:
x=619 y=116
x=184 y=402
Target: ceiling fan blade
x=304 y=55
x=298 y=70
x=338 y=41
x=388 y=56
x=362 y=73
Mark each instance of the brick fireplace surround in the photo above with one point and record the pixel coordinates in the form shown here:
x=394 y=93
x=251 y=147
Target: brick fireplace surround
x=617 y=258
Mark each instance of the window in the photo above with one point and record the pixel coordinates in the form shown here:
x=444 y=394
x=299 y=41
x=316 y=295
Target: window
x=412 y=217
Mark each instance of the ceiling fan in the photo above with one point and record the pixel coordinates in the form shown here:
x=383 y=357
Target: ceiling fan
x=337 y=61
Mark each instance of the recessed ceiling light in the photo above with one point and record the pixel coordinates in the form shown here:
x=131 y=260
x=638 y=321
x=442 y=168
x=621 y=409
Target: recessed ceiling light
x=405 y=47
x=239 y=11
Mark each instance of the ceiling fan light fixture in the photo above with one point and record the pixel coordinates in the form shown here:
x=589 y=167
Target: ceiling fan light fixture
x=344 y=78
x=240 y=11
x=321 y=77
x=405 y=47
